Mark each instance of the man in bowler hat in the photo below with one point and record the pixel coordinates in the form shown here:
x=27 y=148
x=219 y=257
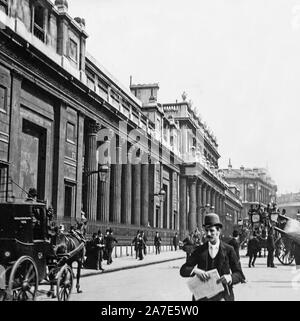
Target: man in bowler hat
x=214 y=254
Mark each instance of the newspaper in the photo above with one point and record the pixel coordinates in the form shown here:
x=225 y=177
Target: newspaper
x=207 y=289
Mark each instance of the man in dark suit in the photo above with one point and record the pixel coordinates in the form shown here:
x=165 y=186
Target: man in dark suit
x=110 y=241
x=270 y=248
x=235 y=243
x=175 y=241
x=214 y=254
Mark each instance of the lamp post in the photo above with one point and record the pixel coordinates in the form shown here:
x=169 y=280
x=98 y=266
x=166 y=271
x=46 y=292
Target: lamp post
x=161 y=195
x=102 y=171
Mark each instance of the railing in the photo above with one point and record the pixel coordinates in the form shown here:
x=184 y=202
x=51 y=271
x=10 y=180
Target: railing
x=39 y=32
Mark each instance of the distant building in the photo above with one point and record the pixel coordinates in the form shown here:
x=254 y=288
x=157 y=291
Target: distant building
x=291 y=203
x=256 y=186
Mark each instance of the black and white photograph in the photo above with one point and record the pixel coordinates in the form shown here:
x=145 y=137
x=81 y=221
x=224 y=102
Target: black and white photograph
x=149 y=153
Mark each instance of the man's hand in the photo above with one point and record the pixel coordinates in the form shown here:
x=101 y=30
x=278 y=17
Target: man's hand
x=225 y=279
x=202 y=275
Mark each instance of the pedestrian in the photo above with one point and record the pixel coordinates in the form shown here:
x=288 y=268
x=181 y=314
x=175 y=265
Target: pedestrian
x=140 y=246
x=214 y=254
x=134 y=243
x=235 y=243
x=175 y=241
x=270 y=248
x=157 y=243
x=253 y=249
x=188 y=245
x=145 y=242
x=110 y=241
x=99 y=243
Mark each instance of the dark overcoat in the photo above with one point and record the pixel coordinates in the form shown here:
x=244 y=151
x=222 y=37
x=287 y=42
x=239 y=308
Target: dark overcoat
x=226 y=262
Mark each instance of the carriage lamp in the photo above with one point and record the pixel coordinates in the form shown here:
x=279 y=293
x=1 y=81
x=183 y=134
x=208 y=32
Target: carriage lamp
x=7 y=254
x=255 y=218
x=274 y=217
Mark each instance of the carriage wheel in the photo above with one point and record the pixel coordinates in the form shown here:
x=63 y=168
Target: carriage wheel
x=285 y=251
x=64 y=283
x=23 y=280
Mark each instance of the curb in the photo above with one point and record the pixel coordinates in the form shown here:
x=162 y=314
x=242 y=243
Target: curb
x=130 y=267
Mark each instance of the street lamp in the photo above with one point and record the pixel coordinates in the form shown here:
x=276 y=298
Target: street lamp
x=161 y=195
x=102 y=171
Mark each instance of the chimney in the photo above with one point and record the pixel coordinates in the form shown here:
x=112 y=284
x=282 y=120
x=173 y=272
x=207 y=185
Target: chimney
x=229 y=165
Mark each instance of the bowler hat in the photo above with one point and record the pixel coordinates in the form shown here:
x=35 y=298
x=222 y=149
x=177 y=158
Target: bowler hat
x=212 y=219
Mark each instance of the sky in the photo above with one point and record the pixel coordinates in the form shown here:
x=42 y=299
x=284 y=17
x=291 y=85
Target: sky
x=237 y=60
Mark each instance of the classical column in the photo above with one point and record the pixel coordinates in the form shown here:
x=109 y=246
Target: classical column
x=136 y=190
x=126 y=193
x=80 y=164
x=103 y=196
x=199 y=204
x=14 y=137
x=192 y=219
x=212 y=199
x=92 y=168
x=182 y=211
x=116 y=190
x=204 y=202
x=145 y=195
x=208 y=200
x=217 y=209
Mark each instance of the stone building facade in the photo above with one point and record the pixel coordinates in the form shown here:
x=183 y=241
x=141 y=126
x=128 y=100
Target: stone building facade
x=72 y=131
x=291 y=203
x=255 y=185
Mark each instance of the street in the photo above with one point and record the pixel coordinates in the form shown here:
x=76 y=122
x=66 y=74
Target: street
x=162 y=282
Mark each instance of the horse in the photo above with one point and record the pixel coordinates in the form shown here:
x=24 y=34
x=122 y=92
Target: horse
x=70 y=247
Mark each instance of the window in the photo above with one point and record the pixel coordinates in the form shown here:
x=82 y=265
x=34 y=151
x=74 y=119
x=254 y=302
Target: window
x=38 y=22
x=73 y=50
x=3 y=101
x=69 y=200
x=71 y=136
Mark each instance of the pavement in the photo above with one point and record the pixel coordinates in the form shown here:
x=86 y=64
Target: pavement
x=130 y=262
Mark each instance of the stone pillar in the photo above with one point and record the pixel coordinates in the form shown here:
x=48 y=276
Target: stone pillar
x=92 y=168
x=182 y=211
x=192 y=219
x=208 y=200
x=14 y=136
x=217 y=209
x=136 y=189
x=212 y=199
x=80 y=164
x=126 y=194
x=199 y=204
x=116 y=190
x=103 y=197
x=145 y=195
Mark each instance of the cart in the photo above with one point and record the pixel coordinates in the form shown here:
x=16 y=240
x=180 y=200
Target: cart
x=27 y=257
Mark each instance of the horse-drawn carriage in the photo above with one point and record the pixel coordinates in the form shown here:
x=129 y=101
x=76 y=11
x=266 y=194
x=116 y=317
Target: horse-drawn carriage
x=261 y=221
x=30 y=257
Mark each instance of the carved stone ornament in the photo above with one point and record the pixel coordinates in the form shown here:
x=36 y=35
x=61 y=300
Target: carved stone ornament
x=94 y=127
